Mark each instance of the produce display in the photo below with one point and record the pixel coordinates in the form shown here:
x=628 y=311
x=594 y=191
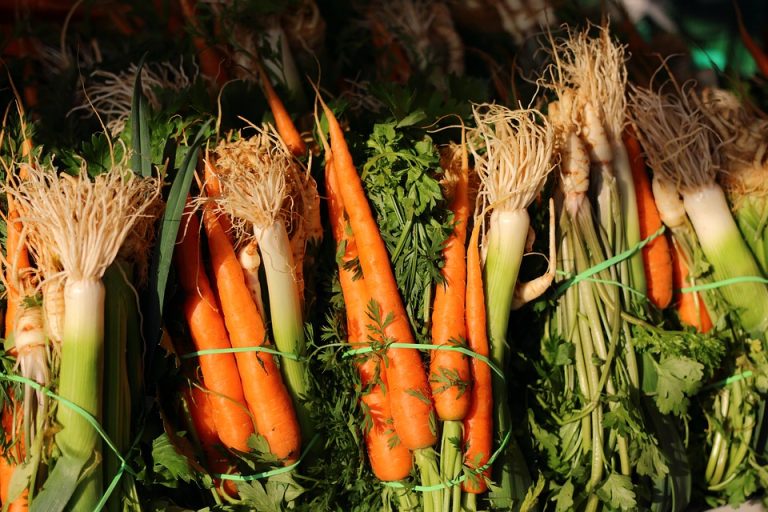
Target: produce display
x=407 y=255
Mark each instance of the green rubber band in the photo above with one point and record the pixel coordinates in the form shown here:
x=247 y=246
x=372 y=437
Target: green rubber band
x=419 y=346
x=730 y=380
x=82 y=412
x=237 y=350
x=455 y=481
x=611 y=282
x=608 y=263
x=724 y=282
x=124 y=467
x=273 y=472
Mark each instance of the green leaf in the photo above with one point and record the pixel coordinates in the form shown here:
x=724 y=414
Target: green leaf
x=168 y=462
x=617 y=492
x=678 y=378
x=411 y=119
x=564 y=497
x=141 y=158
x=255 y=495
x=169 y=228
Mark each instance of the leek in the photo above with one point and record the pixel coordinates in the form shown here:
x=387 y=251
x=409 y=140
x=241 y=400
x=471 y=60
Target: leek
x=513 y=153
x=81 y=224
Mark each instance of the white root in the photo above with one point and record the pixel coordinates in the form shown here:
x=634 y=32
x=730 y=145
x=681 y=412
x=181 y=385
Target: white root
x=110 y=94
x=668 y=202
x=78 y=224
x=528 y=291
x=250 y=263
x=679 y=146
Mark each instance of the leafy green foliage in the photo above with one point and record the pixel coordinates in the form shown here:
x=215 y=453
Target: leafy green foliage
x=169 y=466
x=400 y=178
x=617 y=492
x=678 y=378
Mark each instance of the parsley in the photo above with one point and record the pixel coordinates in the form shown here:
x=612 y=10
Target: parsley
x=401 y=179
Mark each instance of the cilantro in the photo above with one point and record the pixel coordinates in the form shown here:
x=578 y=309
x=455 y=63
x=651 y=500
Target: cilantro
x=617 y=492
x=170 y=466
x=678 y=378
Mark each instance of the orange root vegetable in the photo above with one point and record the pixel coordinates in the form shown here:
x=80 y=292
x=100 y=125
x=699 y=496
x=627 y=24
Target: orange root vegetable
x=283 y=122
x=759 y=56
x=212 y=62
x=690 y=307
x=657 y=259
x=410 y=394
x=449 y=371
x=478 y=424
x=390 y=459
x=203 y=419
x=265 y=393
x=213 y=190
x=9 y=461
x=220 y=374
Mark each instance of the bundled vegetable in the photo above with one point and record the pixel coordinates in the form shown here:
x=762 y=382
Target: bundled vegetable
x=76 y=229
x=513 y=156
x=681 y=152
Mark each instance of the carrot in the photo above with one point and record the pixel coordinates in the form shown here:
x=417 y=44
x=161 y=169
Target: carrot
x=233 y=422
x=449 y=371
x=391 y=56
x=16 y=253
x=285 y=126
x=213 y=190
x=759 y=56
x=18 y=259
x=211 y=60
x=389 y=459
x=410 y=395
x=657 y=259
x=203 y=417
x=265 y=393
x=8 y=464
x=478 y=424
x=690 y=307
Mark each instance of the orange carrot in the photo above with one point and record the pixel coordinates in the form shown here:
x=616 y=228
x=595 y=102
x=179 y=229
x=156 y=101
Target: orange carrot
x=213 y=190
x=210 y=59
x=449 y=371
x=690 y=307
x=203 y=420
x=16 y=254
x=391 y=56
x=283 y=122
x=390 y=460
x=410 y=395
x=233 y=422
x=759 y=56
x=9 y=463
x=657 y=259
x=266 y=394
x=478 y=424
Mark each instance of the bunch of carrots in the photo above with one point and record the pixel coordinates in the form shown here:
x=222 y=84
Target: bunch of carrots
x=640 y=372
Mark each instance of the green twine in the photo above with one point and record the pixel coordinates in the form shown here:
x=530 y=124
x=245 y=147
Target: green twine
x=455 y=481
x=454 y=348
x=724 y=282
x=124 y=468
x=237 y=350
x=273 y=472
x=418 y=346
x=731 y=380
x=604 y=265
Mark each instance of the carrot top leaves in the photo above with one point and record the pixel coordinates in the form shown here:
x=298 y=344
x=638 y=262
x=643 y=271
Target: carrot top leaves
x=401 y=178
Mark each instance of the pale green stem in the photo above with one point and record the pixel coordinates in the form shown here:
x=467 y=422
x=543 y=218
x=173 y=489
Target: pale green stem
x=507 y=233
x=286 y=315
